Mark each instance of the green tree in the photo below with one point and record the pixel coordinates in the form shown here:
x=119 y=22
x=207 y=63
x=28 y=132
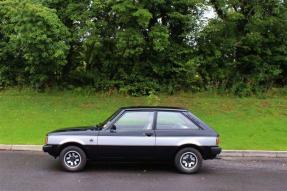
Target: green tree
x=33 y=44
x=244 y=48
x=142 y=45
x=76 y=16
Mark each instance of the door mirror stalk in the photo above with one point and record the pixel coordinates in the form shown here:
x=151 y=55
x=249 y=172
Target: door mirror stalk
x=113 y=129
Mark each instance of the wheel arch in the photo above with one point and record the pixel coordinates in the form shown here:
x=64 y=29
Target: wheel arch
x=67 y=144
x=201 y=151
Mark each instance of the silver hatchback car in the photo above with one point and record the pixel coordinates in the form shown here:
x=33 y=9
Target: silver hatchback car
x=138 y=133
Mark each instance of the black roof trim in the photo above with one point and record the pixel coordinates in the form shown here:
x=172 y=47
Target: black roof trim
x=154 y=107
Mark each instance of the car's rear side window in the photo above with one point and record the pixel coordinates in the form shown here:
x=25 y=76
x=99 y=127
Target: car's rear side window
x=167 y=120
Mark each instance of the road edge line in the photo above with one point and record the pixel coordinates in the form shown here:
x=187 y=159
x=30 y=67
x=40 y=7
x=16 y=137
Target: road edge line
x=224 y=153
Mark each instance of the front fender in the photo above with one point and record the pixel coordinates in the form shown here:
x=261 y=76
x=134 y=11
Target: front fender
x=63 y=139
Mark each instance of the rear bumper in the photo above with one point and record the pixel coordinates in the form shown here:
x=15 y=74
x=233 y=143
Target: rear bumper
x=215 y=150
x=51 y=149
x=210 y=152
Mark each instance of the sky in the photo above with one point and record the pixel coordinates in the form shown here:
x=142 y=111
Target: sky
x=209 y=13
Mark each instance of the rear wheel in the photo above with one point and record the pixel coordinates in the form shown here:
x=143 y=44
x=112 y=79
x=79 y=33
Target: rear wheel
x=188 y=160
x=73 y=158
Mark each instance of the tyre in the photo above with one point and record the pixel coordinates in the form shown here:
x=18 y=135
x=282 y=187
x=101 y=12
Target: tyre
x=73 y=158
x=188 y=160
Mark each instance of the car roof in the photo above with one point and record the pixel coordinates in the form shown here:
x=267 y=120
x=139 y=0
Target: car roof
x=154 y=108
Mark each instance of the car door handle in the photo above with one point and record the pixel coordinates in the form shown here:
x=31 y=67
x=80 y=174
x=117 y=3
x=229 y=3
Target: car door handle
x=148 y=134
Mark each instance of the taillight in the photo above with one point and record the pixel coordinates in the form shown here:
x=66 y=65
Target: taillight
x=217 y=141
x=46 y=140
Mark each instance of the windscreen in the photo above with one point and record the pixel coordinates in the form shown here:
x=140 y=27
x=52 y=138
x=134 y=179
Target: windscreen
x=110 y=118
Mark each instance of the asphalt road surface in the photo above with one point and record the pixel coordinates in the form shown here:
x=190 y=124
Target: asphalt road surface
x=37 y=171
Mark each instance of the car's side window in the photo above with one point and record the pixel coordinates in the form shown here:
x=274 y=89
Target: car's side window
x=167 y=120
x=135 y=120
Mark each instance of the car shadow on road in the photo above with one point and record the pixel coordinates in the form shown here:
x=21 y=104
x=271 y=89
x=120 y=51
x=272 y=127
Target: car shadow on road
x=130 y=167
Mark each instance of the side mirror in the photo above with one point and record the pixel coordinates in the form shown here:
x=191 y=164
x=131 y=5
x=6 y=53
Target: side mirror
x=113 y=129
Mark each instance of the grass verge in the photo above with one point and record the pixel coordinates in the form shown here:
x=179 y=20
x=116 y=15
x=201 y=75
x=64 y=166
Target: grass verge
x=243 y=123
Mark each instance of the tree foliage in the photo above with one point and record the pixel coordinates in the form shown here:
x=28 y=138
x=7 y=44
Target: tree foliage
x=33 y=44
x=139 y=47
x=244 y=48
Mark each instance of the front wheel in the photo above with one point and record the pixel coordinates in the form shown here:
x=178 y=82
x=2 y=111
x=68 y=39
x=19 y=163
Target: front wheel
x=188 y=160
x=73 y=158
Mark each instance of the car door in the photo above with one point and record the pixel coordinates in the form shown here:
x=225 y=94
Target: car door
x=130 y=136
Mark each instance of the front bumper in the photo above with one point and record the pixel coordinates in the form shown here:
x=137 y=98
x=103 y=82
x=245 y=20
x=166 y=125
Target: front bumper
x=51 y=149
